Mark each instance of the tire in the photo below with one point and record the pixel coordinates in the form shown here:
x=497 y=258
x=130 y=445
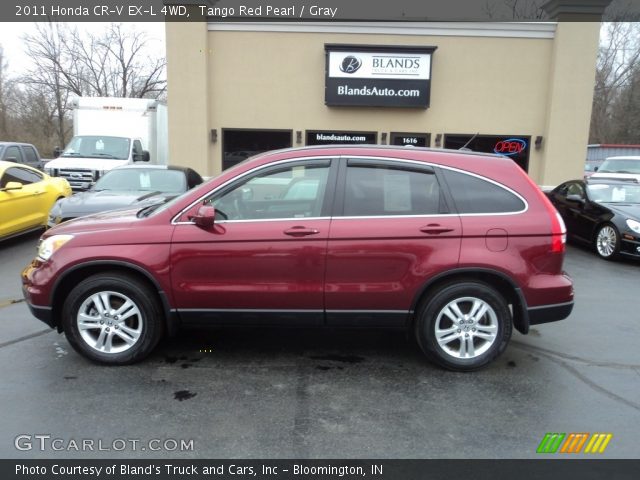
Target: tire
x=469 y=345
x=607 y=242
x=98 y=334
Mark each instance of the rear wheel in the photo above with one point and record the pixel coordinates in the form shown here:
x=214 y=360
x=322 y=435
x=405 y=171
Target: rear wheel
x=607 y=242
x=112 y=318
x=464 y=326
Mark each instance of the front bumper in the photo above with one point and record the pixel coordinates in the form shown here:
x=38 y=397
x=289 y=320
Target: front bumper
x=629 y=247
x=35 y=297
x=44 y=314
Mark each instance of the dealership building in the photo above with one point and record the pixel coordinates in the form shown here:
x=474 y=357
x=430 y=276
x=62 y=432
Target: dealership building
x=519 y=89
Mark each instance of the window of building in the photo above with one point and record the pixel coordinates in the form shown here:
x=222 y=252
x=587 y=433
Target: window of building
x=515 y=147
x=238 y=144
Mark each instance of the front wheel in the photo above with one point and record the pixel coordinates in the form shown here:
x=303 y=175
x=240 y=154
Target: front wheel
x=112 y=318
x=464 y=326
x=607 y=242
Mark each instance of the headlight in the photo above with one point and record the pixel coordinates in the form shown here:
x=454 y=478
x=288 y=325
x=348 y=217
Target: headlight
x=633 y=225
x=50 y=245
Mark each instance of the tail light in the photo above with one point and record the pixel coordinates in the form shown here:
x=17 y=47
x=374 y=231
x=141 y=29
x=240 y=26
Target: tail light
x=558 y=228
x=558 y=231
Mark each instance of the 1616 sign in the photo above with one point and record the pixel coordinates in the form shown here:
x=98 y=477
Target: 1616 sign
x=378 y=76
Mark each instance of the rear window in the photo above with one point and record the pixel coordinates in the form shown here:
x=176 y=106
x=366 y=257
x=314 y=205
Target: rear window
x=475 y=195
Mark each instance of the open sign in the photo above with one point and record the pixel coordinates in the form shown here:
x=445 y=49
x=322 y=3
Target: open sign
x=511 y=146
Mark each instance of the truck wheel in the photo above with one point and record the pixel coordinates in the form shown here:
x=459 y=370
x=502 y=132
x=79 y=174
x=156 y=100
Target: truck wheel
x=112 y=318
x=464 y=326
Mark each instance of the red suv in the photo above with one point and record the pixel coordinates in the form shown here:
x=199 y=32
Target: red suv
x=456 y=247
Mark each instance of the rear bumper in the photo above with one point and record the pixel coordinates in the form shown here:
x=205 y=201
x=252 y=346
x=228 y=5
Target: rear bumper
x=549 y=313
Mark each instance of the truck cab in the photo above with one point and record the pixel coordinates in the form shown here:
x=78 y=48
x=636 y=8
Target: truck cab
x=88 y=157
x=110 y=132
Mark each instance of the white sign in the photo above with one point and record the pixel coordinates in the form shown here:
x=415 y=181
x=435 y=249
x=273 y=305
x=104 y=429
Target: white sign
x=401 y=66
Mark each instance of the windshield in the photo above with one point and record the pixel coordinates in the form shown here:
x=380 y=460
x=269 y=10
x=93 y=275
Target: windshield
x=614 y=193
x=94 y=146
x=143 y=179
x=620 y=166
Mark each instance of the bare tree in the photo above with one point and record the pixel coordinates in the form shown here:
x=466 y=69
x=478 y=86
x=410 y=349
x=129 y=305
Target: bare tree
x=618 y=63
x=514 y=9
x=5 y=87
x=114 y=63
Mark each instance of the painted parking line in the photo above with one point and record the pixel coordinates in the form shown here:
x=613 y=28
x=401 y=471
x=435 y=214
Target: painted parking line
x=6 y=303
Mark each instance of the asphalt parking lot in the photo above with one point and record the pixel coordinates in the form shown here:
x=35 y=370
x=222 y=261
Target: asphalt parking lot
x=311 y=394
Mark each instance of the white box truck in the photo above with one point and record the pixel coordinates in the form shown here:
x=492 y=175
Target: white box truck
x=109 y=132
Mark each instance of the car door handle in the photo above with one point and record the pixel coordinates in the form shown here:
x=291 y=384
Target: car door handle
x=301 y=231
x=435 y=229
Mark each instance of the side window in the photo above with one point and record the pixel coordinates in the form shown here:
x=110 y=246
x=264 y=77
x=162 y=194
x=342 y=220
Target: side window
x=575 y=189
x=475 y=195
x=384 y=190
x=30 y=155
x=287 y=192
x=562 y=190
x=13 y=152
x=20 y=175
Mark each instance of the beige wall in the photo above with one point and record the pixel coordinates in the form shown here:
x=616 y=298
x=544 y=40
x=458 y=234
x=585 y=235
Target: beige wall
x=490 y=85
x=187 y=95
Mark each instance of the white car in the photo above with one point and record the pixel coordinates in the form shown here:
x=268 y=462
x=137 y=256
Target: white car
x=619 y=168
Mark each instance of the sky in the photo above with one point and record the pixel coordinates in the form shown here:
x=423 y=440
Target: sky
x=11 y=34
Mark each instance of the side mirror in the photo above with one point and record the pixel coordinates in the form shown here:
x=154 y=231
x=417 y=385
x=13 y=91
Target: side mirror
x=56 y=152
x=12 y=186
x=11 y=159
x=595 y=169
x=575 y=198
x=142 y=157
x=205 y=216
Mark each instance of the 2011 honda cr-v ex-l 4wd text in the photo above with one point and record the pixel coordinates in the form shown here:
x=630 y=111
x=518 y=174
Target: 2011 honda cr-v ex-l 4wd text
x=458 y=248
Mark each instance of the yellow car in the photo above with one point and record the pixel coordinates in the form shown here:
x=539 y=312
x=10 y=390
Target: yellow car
x=26 y=196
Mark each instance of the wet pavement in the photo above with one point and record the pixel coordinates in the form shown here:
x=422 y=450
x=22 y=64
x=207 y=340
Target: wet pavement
x=327 y=394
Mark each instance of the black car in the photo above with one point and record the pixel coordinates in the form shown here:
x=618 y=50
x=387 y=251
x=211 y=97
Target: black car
x=602 y=212
x=124 y=186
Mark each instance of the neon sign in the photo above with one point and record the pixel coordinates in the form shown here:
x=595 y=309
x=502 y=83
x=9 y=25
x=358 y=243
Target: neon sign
x=510 y=146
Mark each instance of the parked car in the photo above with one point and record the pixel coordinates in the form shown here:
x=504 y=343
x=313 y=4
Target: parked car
x=125 y=186
x=619 y=167
x=603 y=213
x=26 y=196
x=457 y=248
x=591 y=167
x=22 y=153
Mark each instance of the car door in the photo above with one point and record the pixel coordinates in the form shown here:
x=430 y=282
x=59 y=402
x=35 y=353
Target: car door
x=22 y=208
x=264 y=259
x=570 y=201
x=391 y=230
